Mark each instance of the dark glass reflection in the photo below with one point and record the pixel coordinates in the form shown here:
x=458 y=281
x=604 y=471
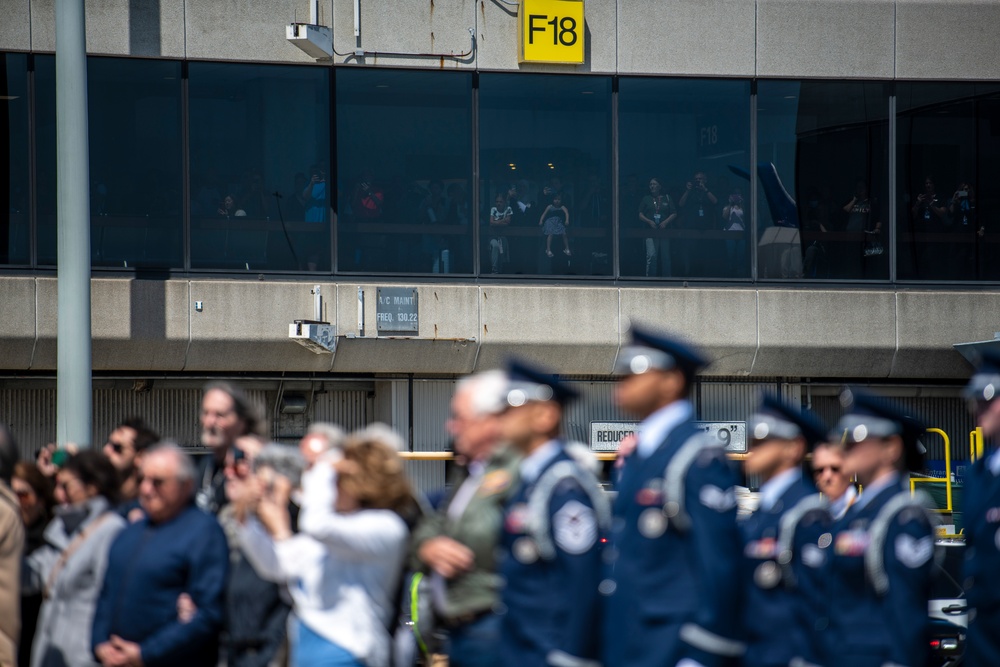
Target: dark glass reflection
x=947 y=137
x=684 y=155
x=404 y=156
x=546 y=189
x=260 y=177
x=822 y=180
x=14 y=192
x=135 y=162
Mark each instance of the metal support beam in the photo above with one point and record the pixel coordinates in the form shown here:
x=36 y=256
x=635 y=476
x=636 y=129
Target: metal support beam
x=74 y=399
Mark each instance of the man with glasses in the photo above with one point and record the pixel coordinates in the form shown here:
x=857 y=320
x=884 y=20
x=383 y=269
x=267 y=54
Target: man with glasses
x=175 y=549
x=831 y=478
x=124 y=448
x=982 y=519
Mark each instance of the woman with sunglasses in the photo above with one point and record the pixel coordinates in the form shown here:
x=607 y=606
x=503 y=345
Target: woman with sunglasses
x=832 y=479
x=880 y=569
x=69 y=570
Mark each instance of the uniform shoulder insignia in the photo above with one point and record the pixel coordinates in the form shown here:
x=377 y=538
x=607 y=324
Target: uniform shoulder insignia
x=495 y=482
x=914 y=552
x=574 y=527
x=717 y=499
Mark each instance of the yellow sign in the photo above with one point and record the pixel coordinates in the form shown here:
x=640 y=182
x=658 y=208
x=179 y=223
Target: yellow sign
x=550 y=31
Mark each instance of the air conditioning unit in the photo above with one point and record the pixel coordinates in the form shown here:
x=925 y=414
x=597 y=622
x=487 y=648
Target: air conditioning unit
x=315 y=40
x=317 y=337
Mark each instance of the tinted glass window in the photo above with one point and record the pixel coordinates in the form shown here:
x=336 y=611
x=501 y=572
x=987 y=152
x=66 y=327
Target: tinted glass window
x=135 y=162
x=947 y=137
x=14 y=192
x=822 y=177
x=404 y=157
x=545 y=154
x=260 y=155
x=684 y=162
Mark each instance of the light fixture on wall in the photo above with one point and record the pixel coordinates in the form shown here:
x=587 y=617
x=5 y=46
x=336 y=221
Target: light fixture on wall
x=293 y=404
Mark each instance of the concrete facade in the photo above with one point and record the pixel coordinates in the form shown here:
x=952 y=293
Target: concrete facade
x=908 y=39
x=153 y=326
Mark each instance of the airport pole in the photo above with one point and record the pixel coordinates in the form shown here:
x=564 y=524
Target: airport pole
x=74 y=388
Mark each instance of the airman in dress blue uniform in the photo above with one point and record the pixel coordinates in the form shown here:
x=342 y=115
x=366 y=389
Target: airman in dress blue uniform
x=880 y=568
x=552 y=533
x=671 y=586
x=982 y=521
x=785 y=540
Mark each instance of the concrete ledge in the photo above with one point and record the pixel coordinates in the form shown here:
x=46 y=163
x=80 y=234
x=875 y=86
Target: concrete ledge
x=930 y=323
x=813 y=333
x=948 y=40
x=15 y=28
x=17 y=326
x=116 y=27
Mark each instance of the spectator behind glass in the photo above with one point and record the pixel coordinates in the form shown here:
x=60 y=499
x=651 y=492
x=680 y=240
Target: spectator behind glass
x=313 y=195
x=230 y=209
x=657 y=212
x=347 y=559
x=11 y=551
x=34 y=494
x=69 y=569
x=124 y=448
x=256 y=609
x=554 y=221
x=176 y=548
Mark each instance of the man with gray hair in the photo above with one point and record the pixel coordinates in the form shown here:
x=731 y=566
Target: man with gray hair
x=321 y=438
x=457 y=545
x=175 y=549
x=226 y=414
x=11 y=548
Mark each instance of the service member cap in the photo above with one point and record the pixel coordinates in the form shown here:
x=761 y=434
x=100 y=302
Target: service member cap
x=984 y=385
x=650 y=351
x=529 y=383
x=776 y=419
x=867 y=416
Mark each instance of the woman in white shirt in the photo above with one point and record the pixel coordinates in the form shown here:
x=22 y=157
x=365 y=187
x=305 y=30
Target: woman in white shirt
x=343 y=568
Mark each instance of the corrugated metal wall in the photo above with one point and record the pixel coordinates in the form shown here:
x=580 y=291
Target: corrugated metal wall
x=431 y=408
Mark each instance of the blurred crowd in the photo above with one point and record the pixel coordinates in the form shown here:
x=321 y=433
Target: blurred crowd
x=322 y=554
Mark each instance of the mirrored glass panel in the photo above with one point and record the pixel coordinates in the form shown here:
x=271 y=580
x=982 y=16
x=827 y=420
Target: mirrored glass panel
x=545 y=163
x=404 y=160
x=684 y=163
x=135 y=162
x=15 y=198
x=948 y=136
x=822 y=177
x=260 y=176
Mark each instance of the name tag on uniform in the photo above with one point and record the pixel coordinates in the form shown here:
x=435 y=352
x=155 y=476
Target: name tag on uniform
x=761 y=549
x=516 y=519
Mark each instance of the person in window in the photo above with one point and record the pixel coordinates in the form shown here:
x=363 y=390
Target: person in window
x=230 y=209
x=554 y=221
x=368 y=199
x=734 y=220
x=698 y=209
x=964 y=222
x=500 y=217
x=864 y=228
x=656 y=211
x=929 y=214
x=313 y=195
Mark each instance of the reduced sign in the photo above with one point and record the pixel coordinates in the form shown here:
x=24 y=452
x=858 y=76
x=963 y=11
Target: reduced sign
x=606 y=435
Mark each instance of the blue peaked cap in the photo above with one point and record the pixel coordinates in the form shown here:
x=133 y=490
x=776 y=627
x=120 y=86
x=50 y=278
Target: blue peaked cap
x=778 y=419
x=869 y=416
x=984 y=385
x=531 y=383
x=653 y=351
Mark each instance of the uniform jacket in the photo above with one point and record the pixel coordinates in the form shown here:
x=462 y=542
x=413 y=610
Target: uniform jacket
x=869 y=627
x=149 y=566
x=62 y=637
x=982 y=564
x=676 y=590
x=11 y=551
x=551 y=598
x=478 y=527
x=783 y=598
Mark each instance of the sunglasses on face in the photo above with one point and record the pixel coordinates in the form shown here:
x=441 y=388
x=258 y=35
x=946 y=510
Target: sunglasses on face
x=156 y=482
x=820 y=471
x=116 y=447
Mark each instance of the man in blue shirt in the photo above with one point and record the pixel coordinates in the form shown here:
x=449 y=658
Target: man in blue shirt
x=176 y=549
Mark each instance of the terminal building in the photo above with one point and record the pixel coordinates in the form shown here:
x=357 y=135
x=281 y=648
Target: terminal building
x=804 y=188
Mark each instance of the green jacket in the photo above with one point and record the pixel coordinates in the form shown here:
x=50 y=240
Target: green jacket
x=478 y=528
